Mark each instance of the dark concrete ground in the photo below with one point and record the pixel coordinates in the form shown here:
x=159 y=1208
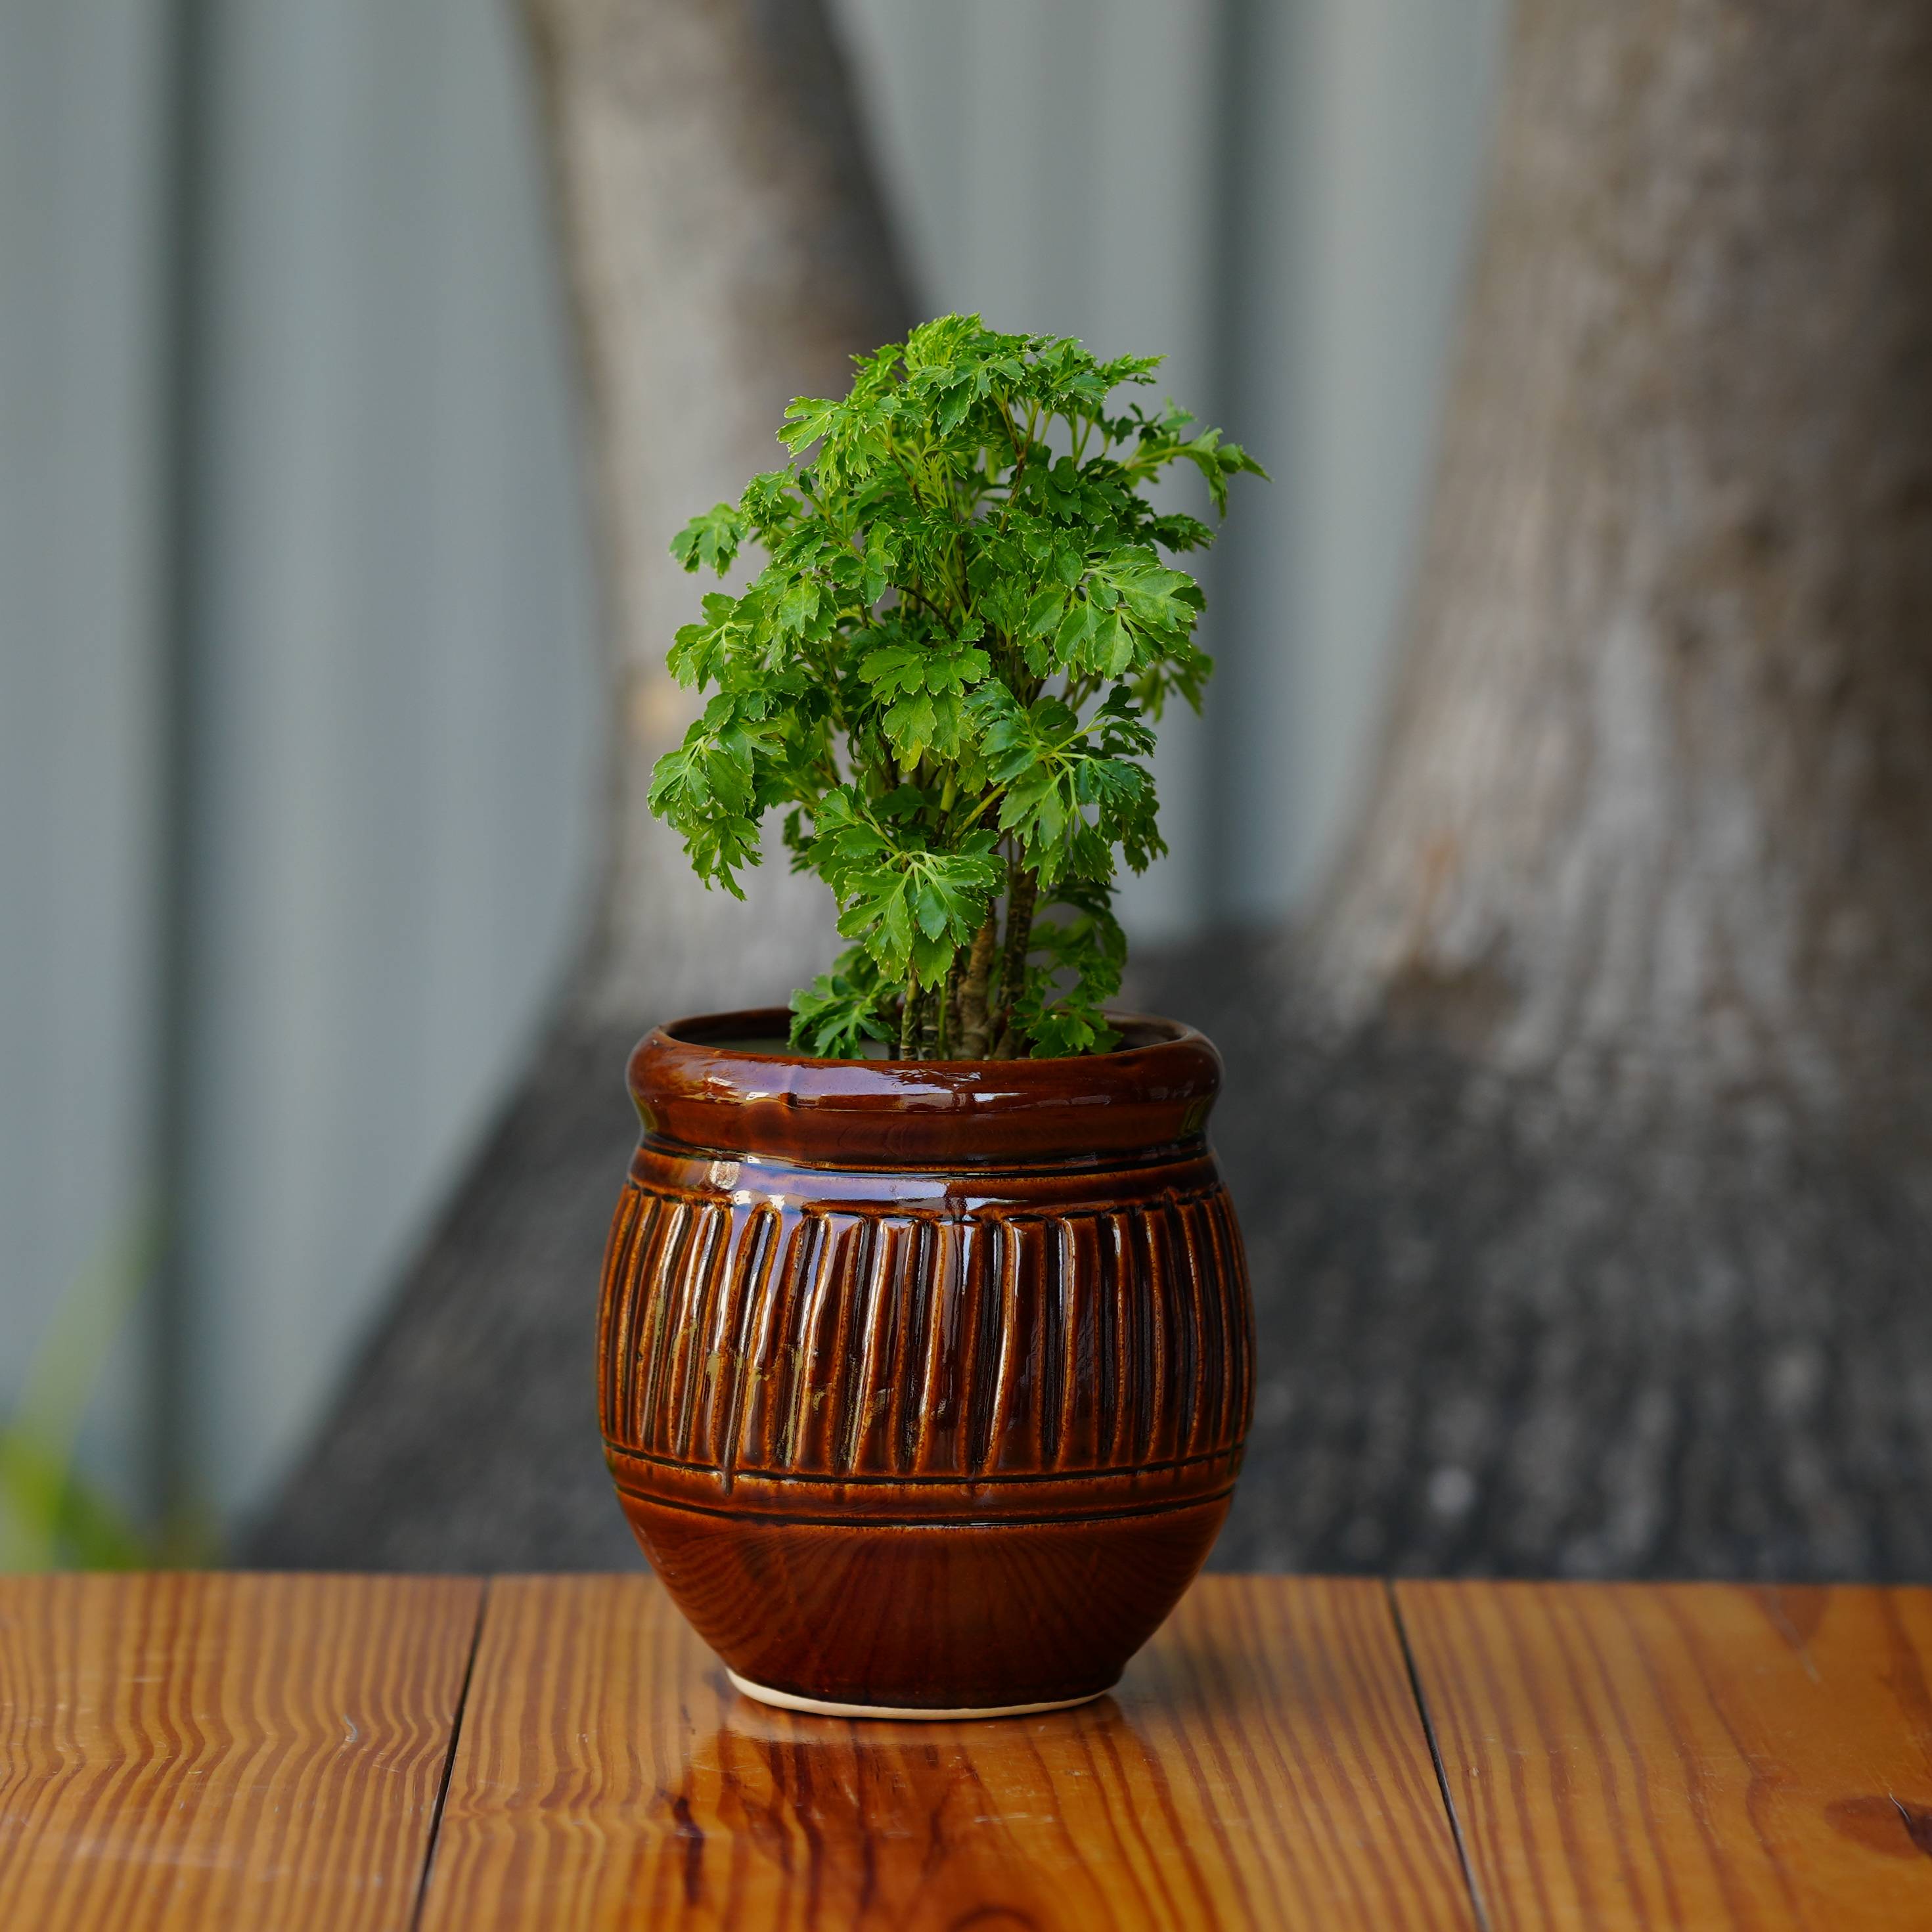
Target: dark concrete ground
x=1499 y=1334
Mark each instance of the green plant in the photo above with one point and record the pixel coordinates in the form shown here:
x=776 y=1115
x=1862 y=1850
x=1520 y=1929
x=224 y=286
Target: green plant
x=946 y=677
x=49 y=1516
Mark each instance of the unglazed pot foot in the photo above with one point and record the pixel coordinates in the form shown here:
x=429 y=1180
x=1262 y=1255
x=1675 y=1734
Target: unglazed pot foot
x=821 y=1707
x=924 y=1385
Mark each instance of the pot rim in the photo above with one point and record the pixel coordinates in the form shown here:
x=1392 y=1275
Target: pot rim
x=699 y=1087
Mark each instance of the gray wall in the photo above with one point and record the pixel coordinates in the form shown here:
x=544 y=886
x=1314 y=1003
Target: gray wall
x=1279 y=194
x=390 y=721
x=1055 y=167
x=376 y=726
x=83 y=292
x=396 y=669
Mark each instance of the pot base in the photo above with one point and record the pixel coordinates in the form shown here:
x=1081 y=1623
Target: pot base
x=819 y=1707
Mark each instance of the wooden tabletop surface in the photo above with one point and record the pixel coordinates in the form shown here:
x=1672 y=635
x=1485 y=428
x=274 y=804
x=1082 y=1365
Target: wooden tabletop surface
x=560 y=1752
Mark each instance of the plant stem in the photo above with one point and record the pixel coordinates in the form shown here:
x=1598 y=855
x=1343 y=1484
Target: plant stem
x=976 y=1030
x=1022 y=893
x=908 y=1019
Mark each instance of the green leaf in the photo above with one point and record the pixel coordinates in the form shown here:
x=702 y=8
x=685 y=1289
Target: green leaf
x=712 y=538
x=798 y=604
x=835 y=1016
x=807 y=419
x=968 y=615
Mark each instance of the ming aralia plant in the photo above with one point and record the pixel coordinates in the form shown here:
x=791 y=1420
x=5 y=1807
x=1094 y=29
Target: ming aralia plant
x=946 y=677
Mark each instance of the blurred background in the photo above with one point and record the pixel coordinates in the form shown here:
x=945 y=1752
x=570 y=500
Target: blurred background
x=301 y=693
x=1550 y=862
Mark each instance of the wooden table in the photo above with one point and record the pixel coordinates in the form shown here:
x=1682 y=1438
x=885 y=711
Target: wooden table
x=554 y=1752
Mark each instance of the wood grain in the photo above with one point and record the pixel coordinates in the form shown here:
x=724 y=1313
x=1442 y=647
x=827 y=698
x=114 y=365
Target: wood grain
x=1261 y=1764
x=1686 y=1755
x=224 y=1751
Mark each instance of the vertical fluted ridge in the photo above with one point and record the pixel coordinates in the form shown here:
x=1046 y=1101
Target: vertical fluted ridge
x=893 y=1343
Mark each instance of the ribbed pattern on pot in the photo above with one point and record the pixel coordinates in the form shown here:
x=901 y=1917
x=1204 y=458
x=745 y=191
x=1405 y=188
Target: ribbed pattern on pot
x=902 y=1345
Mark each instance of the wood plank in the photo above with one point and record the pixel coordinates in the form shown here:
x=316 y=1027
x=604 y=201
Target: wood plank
x=1684 y=1755
x=215 y=1751
x=1263 y=1764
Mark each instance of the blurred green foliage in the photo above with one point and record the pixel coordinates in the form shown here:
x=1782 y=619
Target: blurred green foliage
x=50 y=1516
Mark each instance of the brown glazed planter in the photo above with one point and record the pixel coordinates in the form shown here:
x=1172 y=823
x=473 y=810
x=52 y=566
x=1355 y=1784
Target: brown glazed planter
x=924 y=1385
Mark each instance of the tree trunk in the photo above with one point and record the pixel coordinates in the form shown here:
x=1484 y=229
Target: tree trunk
x=726 y=251
x=1657 y=803
x=1587 y=1185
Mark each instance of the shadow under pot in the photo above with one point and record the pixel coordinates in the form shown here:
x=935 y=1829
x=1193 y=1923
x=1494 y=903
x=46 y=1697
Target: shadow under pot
x=924 y=1385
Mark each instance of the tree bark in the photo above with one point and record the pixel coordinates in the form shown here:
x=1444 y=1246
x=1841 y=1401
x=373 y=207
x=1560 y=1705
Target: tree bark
x=726 y=251
x=1586 y=1185
x=1656 y=805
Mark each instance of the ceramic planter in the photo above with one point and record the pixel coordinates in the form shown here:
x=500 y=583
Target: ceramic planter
x=924 y=1385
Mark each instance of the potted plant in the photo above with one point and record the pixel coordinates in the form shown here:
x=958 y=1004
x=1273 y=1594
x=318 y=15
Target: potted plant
x=925 y=1357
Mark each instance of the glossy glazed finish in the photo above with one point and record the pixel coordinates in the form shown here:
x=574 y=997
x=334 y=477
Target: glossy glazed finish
x=187 y=1753
x=1261 y=1767
x=924 y=1385
x=697 y=1085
